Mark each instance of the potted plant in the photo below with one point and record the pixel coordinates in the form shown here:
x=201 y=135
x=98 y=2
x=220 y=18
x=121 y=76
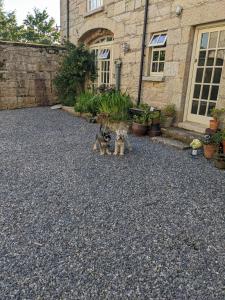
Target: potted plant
x=209 y=147
x=140 y=124
x=168 y=115
x=215 y=113
x=223 y=139
x=155 y=129
x=219 y=161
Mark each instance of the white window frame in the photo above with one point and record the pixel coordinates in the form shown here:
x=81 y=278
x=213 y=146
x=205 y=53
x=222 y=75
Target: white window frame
x=94 y=4
x=157 y=47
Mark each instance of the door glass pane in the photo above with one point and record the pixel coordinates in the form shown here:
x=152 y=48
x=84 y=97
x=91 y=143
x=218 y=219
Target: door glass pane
x=161 y=66
x=205 y=92
x=217 y=75
x=210 y=58
x=222 y=39
x=155 y=55
x=214 y=92
x=204 y=40
x=162 y=55
x=202 y=56
x=202 y=109
x=208 y=75
x=220 y=57
x=197 y=91
x=199 y=75
x=211 y=106
x=194 y=108
x=213 y=39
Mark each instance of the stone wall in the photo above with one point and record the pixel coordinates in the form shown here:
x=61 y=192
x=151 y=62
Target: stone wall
x=125 y=19
x=26 y=74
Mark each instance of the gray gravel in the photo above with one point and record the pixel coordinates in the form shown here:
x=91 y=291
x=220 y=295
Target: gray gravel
x=75 y=225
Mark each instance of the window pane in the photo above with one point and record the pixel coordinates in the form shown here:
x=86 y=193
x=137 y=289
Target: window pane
x=220 y=57
x=162 y=39
x=202 y=56
x=202 y=109
x=205 y=92
x=211 y=106
x=222 y=39
x=194 y=108
x=213 y=39
x=197 y=91
x=155 y=55
x=199 y=75
x=208 y=75
x=204 y=40
x=162 y=55
x=154 y=67
x=210 y=58
x=217 y=75
x=161 y=66
x=214 y=92
x=154 y=40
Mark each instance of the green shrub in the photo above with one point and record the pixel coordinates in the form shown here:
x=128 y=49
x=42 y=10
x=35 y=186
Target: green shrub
x=87 y=102
x=116 y=105
x=78 y=65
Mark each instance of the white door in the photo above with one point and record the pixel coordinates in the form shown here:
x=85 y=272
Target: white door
x=207 y=69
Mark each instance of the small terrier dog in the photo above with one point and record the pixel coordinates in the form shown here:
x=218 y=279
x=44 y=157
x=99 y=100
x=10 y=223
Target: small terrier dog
x=102 y=140
x=121 y=141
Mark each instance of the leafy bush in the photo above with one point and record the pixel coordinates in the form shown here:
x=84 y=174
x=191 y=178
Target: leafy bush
x=87 y=103
x=116 y=105
x=77 y=66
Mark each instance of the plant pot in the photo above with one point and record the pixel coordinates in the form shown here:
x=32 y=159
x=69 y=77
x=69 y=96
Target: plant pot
x=156 y=121
x=219 y=164
x=209 y=151
x=167 y=122
x=154 y=130
x=214 y=124
x=223 y=142
x=139 y=129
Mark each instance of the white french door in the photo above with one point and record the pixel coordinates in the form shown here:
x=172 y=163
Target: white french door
x=208 y=63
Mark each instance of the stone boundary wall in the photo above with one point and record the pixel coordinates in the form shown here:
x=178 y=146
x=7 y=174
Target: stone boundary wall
x=26 y=74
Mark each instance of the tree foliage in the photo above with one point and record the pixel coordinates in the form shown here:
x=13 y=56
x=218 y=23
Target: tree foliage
x=77 y=66
x=38 y=27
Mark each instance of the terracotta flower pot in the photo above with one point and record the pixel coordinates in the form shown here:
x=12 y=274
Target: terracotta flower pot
x=223 y=142
x=139 y=129
x=209 y=151
x=214 y=124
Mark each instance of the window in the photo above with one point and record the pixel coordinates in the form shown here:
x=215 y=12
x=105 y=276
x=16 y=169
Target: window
x=158 y=53
x=94 y=4
x=102 y=49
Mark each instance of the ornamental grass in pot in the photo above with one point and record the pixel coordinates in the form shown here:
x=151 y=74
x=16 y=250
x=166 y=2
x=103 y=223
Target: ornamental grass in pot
x=215 y=113
x=155 y=129
x=223 y=139
x=219 y=161
x=168 y=115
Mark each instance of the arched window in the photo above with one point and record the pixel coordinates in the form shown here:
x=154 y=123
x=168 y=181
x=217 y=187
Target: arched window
x=102 y=47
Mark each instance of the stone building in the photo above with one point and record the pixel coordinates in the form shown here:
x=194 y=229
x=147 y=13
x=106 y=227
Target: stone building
x=184 y=50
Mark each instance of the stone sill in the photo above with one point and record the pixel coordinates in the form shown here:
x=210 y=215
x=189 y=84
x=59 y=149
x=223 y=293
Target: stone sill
x=95 y=11
x=159 y=78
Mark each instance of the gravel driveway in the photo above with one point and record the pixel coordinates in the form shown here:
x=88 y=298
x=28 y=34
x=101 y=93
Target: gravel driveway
x=74 y=225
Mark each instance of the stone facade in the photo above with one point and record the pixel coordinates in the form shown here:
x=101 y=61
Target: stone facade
x=26 y=74
x=124 y=18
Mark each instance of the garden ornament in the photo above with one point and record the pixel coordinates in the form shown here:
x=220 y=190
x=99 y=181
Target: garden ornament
x=195 y=145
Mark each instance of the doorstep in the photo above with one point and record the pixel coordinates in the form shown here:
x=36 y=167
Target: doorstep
x=182 y=135
x=170 y=142
x=192 y=126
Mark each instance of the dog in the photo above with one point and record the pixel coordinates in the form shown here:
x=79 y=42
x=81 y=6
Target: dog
x=121 y=142
x=102 y=140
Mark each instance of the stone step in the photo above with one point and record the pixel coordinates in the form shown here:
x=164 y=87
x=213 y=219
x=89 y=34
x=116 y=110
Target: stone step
x=182 y=135
x=170 y=142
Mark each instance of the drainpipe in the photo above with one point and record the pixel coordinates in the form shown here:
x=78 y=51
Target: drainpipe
x=118 y=64
x=68 y=20
x=143 y=51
